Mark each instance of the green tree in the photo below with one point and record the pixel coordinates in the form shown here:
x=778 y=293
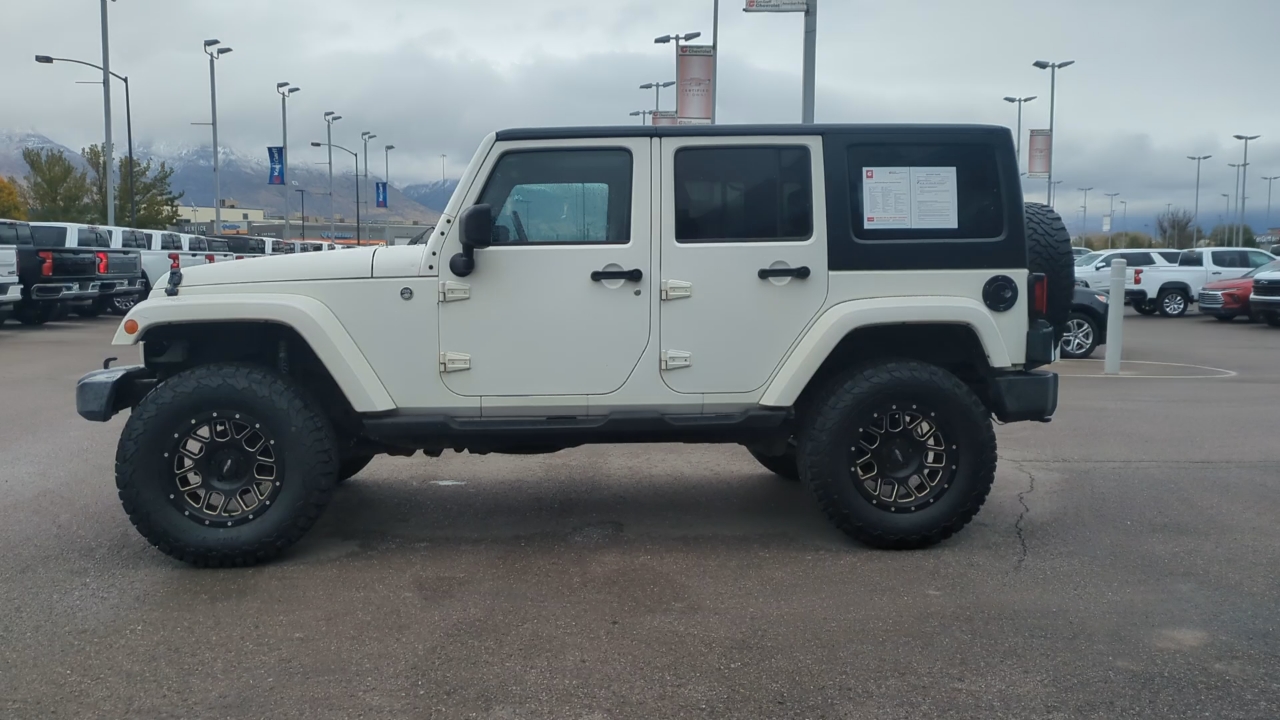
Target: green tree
x=55 y=190
x=12 y=204
x=1225 y=235
x=1118 y=240
x=157 y=204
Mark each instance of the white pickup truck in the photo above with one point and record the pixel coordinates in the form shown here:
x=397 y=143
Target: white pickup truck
x=10 y=287
x=1171 y=290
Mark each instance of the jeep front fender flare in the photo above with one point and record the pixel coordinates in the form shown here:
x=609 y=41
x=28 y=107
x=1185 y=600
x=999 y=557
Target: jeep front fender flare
x=840 y=320
x=310 y=318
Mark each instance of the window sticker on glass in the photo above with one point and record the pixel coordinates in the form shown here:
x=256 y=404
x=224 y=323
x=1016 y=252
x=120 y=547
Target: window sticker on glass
x=909 y=197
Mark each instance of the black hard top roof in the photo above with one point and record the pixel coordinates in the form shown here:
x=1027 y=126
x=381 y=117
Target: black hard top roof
x=630 y=131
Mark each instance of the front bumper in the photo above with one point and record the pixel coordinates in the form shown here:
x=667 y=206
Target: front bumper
x=1027 y=395
x=1264 y=304
x=103 y=393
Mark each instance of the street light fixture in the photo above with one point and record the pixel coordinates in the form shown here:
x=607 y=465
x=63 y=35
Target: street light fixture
x=1269 y=180
x=366 y=136
x=1195 y=231
x=214 y=52
x=356 y=156
x=1244 y=185
x=386 y=174
x=1053 y=91
x=1124 y=223
x=642 y=114
x=1053 y=191
x=1084 y=222
x=128 y=119
x=285 y=90
x=1232 y=237
x=1111 y=214
x=1020 y=101
x=657 y=87
x=329 y=119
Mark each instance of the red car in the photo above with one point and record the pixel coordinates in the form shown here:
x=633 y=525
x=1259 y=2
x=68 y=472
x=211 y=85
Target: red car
x=1225 y=299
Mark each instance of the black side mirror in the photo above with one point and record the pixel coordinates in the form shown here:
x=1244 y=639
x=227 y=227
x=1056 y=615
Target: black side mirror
x=476 y=227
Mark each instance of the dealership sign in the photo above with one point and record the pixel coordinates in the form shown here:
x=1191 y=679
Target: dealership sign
x=776 y=6
x=695 y=75
x=1039 y=154
x=275 y=155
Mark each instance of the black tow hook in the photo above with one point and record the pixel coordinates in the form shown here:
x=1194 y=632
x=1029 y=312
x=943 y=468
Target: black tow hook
x=106 y=364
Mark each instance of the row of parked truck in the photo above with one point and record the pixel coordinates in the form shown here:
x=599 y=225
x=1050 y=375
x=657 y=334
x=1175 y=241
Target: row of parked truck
x=48 y=270
x=1226 y=282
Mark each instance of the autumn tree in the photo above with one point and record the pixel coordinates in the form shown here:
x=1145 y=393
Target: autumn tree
x=54 y=188
x=157 y=204
x=12 y=205
x=1175 y=228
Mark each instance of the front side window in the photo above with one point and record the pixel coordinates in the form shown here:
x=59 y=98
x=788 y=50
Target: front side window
x=561 y=197
x=1170 y=256
x=743 y=194
x=1088 y=260
x=1231 y=259
x=1191 y=258
x=1138 y=259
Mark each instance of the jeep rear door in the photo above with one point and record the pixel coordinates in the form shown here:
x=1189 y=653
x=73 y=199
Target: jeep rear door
x=560 y=303
x=743 y=257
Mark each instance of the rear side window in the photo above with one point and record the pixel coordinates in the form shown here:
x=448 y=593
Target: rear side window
x=133 y=239
x=198 y=244
x=1171 y=257
x=93 y=237
x=218 y=245
x=1231 y=259
x=246 y=245
x=49 y=237
x=1191 y=258
x=279 y=247
x=1137 y=259
x=743 y=194
x=15 y=234
x=925 y=192
x=170 y=241
x=561 y=197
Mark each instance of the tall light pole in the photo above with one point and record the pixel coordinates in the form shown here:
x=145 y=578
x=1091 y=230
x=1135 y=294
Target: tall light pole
x=366 y=136
x=285 y=91
x=1235 y=216
x=386 y=158
x=443 y=160
x=1195 y=231
x=128 y=122
x=657 y=87
x=1226 y=218
x=356 y=157
x=106 y=118
x=1052 y=67
x=329 y=119
x=810 y=10
x=1244 y=183
x=1168 y=225
x=1020 y=101
x=677 y=39
x=1084 y=223
x=1111 y=232
x=1053 y=192
x=1124 y=227
x=303 y=193
x=1269 y=180
x=643 y=115
x=214 y=53
x=715 y=59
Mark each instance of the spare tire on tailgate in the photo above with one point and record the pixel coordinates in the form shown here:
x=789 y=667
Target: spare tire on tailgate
x=1049 y=253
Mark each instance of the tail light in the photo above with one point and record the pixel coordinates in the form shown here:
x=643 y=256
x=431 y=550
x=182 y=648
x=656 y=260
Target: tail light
x=46 y=262
x=210 y=258
x=1039 y=293
x=174 y=264
x=102 y=263
x=239 y=257
x=1137 y=276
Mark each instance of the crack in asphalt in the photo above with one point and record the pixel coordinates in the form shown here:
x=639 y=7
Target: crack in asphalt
x=1022 y=500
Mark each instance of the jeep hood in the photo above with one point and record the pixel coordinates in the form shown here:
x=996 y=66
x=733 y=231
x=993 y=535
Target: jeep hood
x=327 y=265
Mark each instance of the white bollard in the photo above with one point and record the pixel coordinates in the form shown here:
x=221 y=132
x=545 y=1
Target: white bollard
x=1115 y=318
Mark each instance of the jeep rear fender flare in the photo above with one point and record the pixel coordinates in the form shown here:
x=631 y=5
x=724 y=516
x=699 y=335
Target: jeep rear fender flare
x=310 y=318
x=840 y=320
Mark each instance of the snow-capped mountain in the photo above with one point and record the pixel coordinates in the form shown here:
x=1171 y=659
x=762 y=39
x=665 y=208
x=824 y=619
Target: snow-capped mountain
x=434 y=195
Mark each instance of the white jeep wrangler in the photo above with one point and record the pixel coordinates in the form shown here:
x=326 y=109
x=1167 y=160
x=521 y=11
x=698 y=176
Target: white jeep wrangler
x=853 y=304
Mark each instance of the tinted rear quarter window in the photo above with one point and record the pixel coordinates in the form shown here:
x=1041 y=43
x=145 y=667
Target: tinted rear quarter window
x=170 y=241
x=11 y=234
x=1138 y=259
x=218 y=245
x=49 y=237
x=1170 y=256
x=743 y=194
x=134 y=239
x=197 y=244
x=1191 y=259
x=93 y=237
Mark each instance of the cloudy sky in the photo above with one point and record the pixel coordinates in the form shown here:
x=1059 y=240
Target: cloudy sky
x=1154 y=80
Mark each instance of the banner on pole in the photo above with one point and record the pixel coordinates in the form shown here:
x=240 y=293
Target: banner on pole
x=665 y=117
x=1106 y=223
x=695 y=75
x=776 y=6
x=275 y=155
x=380 y=194
x=1039 y=154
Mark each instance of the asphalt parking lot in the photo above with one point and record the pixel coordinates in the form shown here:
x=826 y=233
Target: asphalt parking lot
x=1124 y=566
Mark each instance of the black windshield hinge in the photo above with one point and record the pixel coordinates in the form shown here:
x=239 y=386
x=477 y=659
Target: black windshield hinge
x=175 y=279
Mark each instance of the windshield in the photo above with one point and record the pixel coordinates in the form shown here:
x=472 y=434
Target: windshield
x=1269 y=267
x=1089 y=259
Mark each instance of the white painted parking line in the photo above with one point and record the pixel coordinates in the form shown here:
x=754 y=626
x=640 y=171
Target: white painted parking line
x=1126 y=372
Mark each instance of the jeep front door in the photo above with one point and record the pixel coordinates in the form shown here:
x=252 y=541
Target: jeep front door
x=559 y=304
x=744 y=258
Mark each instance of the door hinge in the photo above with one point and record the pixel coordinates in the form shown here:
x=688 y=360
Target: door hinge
x=676 y=359
x=676 y=289
x=454 y=362
x=451 y=291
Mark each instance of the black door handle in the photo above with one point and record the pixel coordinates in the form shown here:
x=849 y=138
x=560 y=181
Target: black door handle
x=634 y=275
x=800 y=273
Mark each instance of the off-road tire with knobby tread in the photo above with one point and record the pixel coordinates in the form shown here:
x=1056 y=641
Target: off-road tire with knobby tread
x=303 y=436
x=829 y=429
x=784 y=465
x=1049 y=253
x=349 y=467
